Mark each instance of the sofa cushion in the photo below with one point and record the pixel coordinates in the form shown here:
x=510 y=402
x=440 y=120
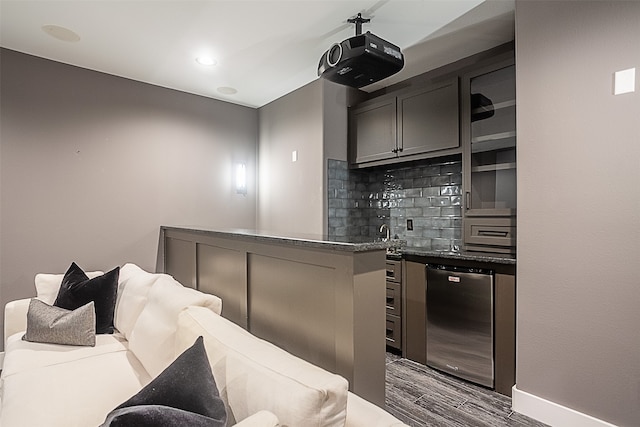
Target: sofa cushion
x=133 y=288
x=75 y=394
x=48 y=324
x=77 y=289
x=183 y=394
x=48 y=285
x=21 y=355
x=254 y=375
x=153 y=335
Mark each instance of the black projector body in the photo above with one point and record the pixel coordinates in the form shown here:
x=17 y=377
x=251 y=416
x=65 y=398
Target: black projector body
x=360 y=61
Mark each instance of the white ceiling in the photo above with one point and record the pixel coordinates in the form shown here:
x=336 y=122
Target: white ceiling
x=264 y=48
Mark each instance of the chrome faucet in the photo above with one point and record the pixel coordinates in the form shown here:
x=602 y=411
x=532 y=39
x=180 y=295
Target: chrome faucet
x=384 y=227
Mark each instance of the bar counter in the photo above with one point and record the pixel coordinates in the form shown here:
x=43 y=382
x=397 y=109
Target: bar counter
x=318 y=299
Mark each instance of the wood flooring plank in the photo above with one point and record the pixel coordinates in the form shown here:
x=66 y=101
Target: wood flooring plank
x=423 y=397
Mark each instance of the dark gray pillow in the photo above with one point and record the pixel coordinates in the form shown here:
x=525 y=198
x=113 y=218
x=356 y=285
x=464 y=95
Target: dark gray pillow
x=184 y=394
x=77 y=289
x=55 y=325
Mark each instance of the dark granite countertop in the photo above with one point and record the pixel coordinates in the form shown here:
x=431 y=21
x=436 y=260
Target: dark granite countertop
x=311 y=241
x=462 y=255
x=398 y=247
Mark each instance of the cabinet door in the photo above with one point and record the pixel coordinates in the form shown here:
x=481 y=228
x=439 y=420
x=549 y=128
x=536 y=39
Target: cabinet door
x=373 y=131
x=490 y=129
x=428 y=119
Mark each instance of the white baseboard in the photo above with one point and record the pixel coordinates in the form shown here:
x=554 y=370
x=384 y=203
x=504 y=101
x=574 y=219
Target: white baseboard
x=551 y=413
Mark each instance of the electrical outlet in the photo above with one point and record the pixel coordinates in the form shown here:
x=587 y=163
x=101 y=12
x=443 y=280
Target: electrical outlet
x=409 y=225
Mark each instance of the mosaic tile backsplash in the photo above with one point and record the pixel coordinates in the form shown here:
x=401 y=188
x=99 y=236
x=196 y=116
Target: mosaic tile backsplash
x=429 y=193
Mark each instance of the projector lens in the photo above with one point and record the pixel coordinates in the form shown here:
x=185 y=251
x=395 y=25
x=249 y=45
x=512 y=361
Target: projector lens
x=334 y=54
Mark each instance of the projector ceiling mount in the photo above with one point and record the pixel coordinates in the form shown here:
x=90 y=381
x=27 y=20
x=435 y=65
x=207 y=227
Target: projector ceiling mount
x=360 y=60
x=358 y=20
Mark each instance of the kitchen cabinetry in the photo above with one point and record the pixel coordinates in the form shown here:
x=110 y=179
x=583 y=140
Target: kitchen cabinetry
x=419 y=123
x=394 y=304
x=488 y=130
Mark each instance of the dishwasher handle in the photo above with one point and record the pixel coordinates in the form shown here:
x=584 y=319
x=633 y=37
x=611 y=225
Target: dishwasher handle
x=459 y=269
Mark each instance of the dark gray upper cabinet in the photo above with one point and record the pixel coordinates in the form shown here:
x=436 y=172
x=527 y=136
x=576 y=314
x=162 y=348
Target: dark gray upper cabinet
x=417 y=124
x=428 y=119
x=373 y=128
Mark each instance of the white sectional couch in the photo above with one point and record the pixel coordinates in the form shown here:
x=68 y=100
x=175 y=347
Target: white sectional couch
x=156 y=319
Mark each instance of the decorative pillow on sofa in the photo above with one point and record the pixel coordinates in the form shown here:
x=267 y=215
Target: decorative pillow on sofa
x=184 y=394
x=48 y=285
x=152 y=338
x=134 y=284
x=55 y=325
x=77 y=289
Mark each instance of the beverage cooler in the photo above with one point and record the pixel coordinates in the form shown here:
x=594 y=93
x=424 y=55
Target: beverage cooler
x=460 y=322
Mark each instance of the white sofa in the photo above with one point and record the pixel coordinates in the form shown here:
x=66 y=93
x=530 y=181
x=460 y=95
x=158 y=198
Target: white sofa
x=156 y=319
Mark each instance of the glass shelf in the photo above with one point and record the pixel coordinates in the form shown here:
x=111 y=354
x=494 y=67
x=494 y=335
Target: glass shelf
x=494 y=167
x=498 y=106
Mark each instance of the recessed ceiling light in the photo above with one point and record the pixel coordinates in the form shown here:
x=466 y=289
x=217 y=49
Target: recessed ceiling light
x=61 y=33
x=206 y=61
x=226 y=90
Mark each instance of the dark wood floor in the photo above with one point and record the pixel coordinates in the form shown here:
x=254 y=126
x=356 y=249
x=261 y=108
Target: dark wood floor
x=421 y=396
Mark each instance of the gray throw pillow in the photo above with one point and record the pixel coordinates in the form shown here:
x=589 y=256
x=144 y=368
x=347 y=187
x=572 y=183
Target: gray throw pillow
x=55 y=325
x=184 y=394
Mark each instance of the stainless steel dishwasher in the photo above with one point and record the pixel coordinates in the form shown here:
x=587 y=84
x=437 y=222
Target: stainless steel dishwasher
x=460 y=322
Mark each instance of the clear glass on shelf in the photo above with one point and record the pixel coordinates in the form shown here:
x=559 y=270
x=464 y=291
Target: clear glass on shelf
x=493 y=141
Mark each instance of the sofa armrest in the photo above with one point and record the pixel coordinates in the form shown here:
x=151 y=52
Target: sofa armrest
x=260 y=419
x=15 y=317
x=362 y=413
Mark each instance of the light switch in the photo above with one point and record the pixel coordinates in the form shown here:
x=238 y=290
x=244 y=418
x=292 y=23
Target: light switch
x=624 y=81
x=294 y=156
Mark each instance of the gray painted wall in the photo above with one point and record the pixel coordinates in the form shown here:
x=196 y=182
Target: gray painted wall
x=92 y=165
x=578 y=301
x=313 y=122
x=291 y=194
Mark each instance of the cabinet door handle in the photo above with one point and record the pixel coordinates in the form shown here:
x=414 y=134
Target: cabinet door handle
x=467 y=201
x=390 y=303
x=493 y=233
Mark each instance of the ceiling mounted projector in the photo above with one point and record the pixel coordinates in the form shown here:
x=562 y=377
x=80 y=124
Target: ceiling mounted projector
x=360 y=60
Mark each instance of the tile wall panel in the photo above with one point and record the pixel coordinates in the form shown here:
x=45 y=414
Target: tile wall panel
x=427 y=192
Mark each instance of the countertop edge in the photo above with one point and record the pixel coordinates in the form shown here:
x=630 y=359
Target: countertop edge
x=462 y=256
x=294 y=241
